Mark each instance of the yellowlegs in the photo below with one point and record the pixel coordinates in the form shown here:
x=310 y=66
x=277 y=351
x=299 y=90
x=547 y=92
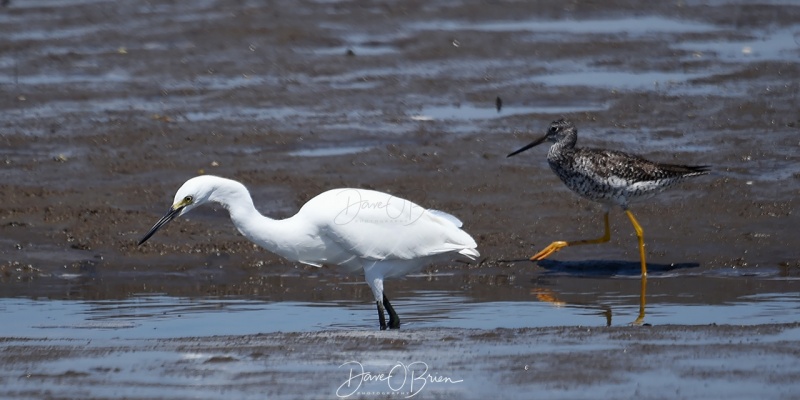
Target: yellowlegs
x=606 y=176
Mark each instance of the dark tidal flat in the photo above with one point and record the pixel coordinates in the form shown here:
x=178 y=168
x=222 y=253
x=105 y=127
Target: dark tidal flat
x=108 y=107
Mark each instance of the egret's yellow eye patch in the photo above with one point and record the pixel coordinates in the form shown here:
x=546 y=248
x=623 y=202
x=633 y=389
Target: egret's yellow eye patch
x=183 y=203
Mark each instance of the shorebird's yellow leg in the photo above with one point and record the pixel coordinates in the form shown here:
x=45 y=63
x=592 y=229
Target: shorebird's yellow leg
x=558 y=245
x=642 y=302
x=640 y=235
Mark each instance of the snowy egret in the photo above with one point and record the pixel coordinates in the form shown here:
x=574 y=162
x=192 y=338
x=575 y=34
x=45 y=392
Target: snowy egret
x=358 y=229
x=607 y=177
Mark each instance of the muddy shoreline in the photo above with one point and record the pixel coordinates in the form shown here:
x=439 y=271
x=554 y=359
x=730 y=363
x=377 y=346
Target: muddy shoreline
x=91 y=163
x=109 y=107
x=558 y=362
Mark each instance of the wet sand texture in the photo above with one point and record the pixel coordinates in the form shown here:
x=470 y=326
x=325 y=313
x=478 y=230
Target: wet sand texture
x=109 y=106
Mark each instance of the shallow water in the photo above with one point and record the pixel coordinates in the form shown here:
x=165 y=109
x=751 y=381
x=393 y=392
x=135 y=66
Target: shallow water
x=626 y=26
x=551 y=301
x=112 y=104
x=466 y=112
x=160 y=346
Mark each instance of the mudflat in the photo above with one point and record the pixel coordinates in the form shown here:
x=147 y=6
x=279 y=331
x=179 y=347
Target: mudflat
x=108 y=107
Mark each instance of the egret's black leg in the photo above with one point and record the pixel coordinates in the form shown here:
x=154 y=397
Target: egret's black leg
x=394 y=320
x=381 y=317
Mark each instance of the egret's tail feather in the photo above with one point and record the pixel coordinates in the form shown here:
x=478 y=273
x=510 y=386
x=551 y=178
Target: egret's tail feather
x=472 y=254
x=450 y=217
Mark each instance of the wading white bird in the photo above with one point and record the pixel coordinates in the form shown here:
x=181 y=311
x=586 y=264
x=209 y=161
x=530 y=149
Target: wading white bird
x=383 y=235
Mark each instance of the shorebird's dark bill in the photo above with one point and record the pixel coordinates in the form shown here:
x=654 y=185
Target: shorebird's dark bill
x=169 y=216
x=529 y=145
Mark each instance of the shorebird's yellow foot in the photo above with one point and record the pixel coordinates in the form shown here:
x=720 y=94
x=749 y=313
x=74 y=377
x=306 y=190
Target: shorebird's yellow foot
x=642 y=302
x=547 y=251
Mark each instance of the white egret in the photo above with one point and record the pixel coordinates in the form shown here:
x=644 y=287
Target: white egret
x=383 y=235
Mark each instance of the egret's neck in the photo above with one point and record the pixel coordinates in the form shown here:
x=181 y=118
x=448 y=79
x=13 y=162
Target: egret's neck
x=258 y=228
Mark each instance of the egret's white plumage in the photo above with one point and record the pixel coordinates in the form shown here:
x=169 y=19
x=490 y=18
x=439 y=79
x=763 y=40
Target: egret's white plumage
x=384 y=235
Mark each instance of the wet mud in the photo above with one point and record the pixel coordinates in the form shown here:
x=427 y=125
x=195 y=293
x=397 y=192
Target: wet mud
x=108 y=107
x=565 y=362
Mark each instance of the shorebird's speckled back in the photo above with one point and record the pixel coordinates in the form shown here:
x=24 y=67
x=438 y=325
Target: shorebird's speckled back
x=607 y=176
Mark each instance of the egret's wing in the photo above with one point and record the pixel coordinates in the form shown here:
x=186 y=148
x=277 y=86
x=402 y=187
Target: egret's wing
x=379 y=226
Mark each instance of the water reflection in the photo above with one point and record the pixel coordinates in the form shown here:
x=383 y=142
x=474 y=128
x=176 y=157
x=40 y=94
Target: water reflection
x=207 y=302
x=552 y=297
x=606 y=268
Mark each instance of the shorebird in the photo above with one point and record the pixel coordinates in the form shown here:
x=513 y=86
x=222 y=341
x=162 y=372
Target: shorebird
x=358 y=229
x=608 y=177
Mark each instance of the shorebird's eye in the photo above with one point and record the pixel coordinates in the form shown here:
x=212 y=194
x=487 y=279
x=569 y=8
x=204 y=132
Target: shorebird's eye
x=188 y=199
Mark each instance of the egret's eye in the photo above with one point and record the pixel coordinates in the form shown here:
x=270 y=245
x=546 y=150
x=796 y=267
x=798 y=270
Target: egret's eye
x=188 y=199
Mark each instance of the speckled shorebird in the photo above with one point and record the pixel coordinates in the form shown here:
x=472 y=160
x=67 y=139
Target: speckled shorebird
x=606 y=176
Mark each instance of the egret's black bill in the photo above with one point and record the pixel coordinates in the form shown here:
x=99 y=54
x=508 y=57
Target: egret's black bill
x=529 y=145
x=169 y=216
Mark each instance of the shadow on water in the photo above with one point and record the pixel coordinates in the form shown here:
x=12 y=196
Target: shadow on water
x=609 y=267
